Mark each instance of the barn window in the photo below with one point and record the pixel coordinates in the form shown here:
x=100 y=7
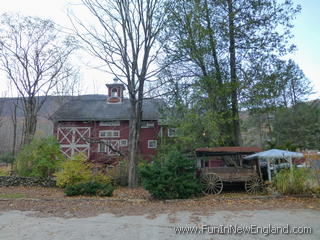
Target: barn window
x=109 y=134
x=114 y=92
x=123 y=142
x=152 y=143
x=109 y=123
x=147 y=124
x=101 y=147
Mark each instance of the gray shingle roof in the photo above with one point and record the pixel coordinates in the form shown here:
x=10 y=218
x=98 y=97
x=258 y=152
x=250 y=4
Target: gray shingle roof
x=95 y=107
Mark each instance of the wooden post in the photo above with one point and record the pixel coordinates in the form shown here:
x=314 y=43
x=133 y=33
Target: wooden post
x=269 y=171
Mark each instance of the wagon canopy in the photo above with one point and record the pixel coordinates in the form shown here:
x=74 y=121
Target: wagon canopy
x=273 y=155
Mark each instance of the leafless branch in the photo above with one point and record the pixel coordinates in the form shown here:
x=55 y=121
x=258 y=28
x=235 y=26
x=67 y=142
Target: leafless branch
x=34 y=55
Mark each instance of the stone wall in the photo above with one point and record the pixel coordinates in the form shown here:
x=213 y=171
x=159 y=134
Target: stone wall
x=6 y=181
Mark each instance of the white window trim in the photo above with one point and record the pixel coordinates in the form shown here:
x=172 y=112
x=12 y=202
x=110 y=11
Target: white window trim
x=121 y=143
x=150 y=141
x=112 y=143
x=109 y=123
x=148 y=124
x=171 y=135
x=113 y=135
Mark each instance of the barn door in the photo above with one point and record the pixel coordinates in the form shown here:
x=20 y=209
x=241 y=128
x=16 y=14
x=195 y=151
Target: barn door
x=74 y=140
x=115 y=145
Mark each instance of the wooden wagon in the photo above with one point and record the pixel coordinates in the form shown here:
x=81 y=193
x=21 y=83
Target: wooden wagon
x=217 y=166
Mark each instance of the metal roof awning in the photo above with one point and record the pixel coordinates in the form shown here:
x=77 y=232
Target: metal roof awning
x=226 y=151
x=273 y=155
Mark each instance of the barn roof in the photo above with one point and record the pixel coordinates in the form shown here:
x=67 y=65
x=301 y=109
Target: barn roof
x=95 y=107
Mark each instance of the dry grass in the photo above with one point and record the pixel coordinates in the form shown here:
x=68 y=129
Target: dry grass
x=5 y=170
x=52 y=202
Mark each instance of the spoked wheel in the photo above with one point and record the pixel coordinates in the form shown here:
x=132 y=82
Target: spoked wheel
x=211 y=184
x=254 y=185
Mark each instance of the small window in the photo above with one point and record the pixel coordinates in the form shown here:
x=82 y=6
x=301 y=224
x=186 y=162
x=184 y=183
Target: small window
x=146 y=124
x=101 y=147
x=109 y=123
x=152 y=143
x=114 y=92
x=123 y=142
x=171 y=132
x=109 y=134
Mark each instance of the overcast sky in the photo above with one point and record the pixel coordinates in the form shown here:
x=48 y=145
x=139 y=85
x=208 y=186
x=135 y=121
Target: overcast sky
x=306 y=31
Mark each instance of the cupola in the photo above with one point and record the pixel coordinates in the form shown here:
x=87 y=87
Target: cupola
x=115 y=91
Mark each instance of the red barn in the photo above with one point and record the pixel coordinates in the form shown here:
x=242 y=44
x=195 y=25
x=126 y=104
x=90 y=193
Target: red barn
x=82 y=124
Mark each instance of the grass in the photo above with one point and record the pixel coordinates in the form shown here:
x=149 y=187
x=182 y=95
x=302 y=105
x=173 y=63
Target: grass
x=5 y=170
x=12 y=195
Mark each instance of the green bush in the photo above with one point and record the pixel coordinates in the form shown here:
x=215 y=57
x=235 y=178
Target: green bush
x=73 y=171
x=170 y=178
x=77 y=170
x=40 y=158
x=294 y=181
x=90 y=189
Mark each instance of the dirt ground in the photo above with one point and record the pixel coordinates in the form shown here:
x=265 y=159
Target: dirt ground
x=51 y=202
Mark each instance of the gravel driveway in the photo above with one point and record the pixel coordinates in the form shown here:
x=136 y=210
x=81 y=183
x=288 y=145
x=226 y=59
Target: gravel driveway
x=17 y=225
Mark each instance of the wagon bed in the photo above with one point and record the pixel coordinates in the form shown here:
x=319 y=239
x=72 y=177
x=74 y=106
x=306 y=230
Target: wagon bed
x=231 y=174
x=226 y=164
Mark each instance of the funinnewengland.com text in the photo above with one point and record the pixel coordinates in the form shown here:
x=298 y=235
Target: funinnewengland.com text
x=240 y=230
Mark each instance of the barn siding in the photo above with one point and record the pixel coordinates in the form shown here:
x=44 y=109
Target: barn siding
x=95 y=156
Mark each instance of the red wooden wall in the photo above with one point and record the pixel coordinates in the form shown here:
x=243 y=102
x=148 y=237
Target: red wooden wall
x=96 y=156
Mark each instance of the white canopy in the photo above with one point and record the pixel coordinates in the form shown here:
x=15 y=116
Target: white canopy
x=274 y=154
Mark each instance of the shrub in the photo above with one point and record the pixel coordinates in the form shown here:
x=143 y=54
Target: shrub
x=100 y=178
x=294 y=181
x=40 y=158
x=173 y=177
x=74 y=171
x=90 y=189
x=77 y=170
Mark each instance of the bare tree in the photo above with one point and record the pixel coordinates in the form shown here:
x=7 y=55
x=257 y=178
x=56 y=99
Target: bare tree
x=14 y=120
x=34 y=55
x=2 y=103
x=124 y=37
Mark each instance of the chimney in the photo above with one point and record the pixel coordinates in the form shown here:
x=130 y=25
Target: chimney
x=115 y=91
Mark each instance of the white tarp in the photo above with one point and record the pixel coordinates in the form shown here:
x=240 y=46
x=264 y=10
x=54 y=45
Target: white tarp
x=273 y=155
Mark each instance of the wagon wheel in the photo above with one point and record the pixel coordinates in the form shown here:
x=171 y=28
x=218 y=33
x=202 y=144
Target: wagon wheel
x=211 y=184
x=254 y=185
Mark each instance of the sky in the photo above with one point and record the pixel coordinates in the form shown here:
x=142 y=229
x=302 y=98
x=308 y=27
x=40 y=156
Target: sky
x=306 y=37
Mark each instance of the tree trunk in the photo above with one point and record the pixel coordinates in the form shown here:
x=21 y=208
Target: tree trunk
x=221 y=99
x=233 y=76
x=30 y=120
x=134 y=133
x=14 y=123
